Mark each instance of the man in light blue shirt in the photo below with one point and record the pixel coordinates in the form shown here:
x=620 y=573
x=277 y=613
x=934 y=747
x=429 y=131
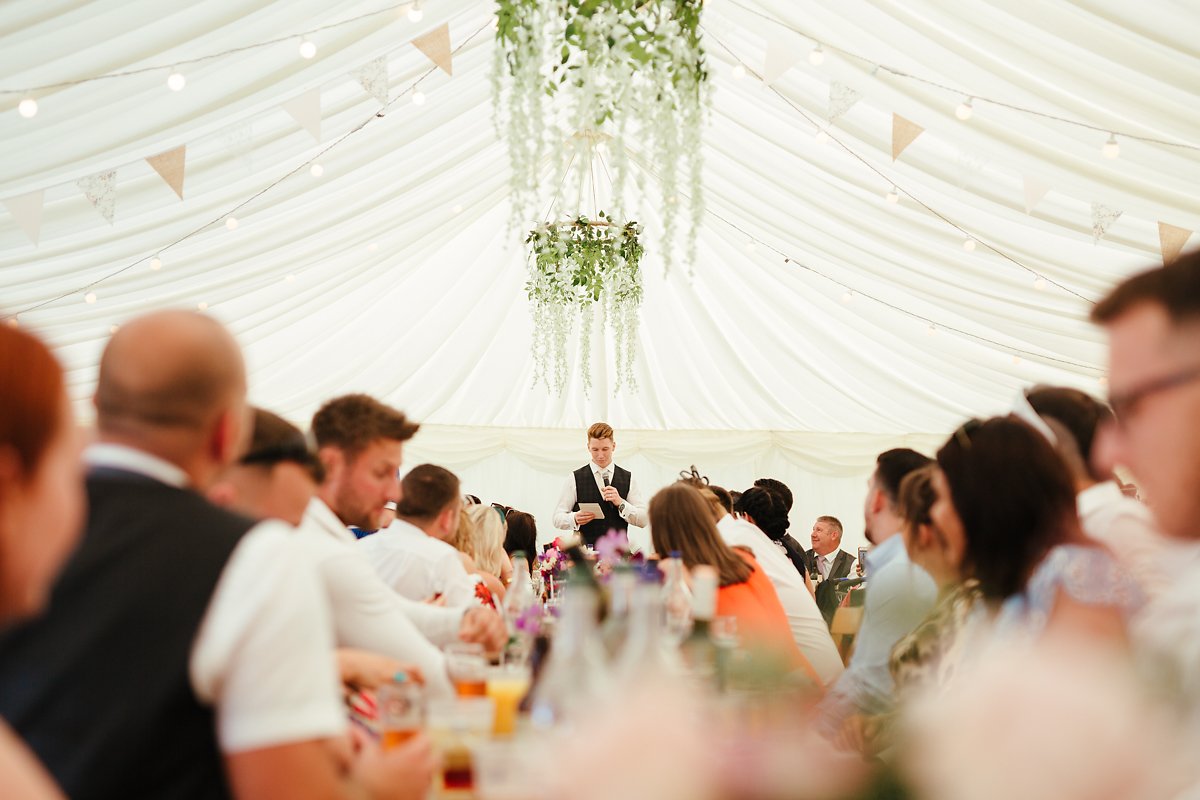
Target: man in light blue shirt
x=898 y=596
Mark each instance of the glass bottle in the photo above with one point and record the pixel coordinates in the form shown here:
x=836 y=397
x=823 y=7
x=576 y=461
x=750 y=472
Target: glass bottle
x=699 y=652
x=616 y=624
x=520 y=606
x=677 y=598
x=646 y=653
x=575 y=677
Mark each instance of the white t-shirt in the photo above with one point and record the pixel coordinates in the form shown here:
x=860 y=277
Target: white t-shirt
x=418 y=566
x=366 y=613
x=804 y=618
x=263 y=654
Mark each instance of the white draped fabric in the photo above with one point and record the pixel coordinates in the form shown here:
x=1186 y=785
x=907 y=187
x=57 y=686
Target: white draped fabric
x=394 y=273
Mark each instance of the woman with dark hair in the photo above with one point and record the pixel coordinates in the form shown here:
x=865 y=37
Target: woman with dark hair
x=1001 y=487
x=521 y=536
x=765 y=509
x=41 y=509
x=680 y=520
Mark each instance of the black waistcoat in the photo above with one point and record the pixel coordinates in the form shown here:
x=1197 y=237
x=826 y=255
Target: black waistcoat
x=98 y=685
x=587 y=492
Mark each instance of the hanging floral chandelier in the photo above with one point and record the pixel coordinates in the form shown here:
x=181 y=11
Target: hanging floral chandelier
x=630 y=70
x=575 y=266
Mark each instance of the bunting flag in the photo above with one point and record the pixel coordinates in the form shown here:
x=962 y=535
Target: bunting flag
x=27 y=211
x=306 y=110
x=436 y=47
x=782 y=54
x=1172 y=239
x=841 y=99
x=169 y=166
x=904 y=132
x=1103 y=218
x=373 y=77
x=1035 y=191
x=101 y=190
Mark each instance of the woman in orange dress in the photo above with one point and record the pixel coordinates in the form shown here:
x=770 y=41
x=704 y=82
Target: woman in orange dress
x=680 y=521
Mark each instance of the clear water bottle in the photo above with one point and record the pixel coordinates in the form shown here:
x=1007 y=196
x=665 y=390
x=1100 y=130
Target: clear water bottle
x=676 y=599
x=616 y=624
x=576 y=678
x=520 y=606
x=647 y=654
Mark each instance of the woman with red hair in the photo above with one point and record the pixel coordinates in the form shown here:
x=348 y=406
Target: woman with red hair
x=41 y=509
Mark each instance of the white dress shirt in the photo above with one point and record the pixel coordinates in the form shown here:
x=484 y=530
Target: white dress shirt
x=263 y=653
x=635 y=504
x=366 y=613
x=1126 y=527
x=804 y=618
x=418 y=566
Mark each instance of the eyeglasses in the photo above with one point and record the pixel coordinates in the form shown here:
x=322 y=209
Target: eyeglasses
x=1124 y=404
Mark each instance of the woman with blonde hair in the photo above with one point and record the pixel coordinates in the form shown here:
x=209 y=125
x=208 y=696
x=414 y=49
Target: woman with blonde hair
x=681 y=520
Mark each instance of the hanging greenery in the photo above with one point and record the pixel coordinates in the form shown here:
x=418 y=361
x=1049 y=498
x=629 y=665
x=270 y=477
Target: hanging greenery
x=631 y=70
x=573 y=266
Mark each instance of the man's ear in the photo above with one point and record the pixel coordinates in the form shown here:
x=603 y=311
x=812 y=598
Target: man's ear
x=448 y=520
x=878 y=501
x=334 y=461
x=222 y=493
x=225 y=441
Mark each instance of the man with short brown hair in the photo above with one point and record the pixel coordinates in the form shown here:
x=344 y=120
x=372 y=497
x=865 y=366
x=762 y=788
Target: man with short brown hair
x=1153 y=322
x=603 y=483
x=360 y=442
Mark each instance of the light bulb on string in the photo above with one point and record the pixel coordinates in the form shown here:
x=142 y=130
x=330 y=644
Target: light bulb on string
x=969 y=245
x=307 y=49
x=415 y=14
x=156 y=264
x=112 y=329
x=176 y=81
x=964 y=110
x=27 y=108
x=372 y=247
x=202 y=306
x=822 y=137
x=893 y=196
x=457 y=209
x=1039 y=283
x=418 y=97
x=931 y=330
x=1016 y=360
x=817 y=56
x=290 y=278
x=90 y=298
x=1103 y=381
x=750 y=246
x=231 y=223
x=738 y=72
x=13 y=322
x=1111 y=148
x=316 y=170
x=847 y=296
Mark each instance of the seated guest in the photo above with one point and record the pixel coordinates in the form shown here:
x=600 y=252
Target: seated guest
x=360 y=443
x=186 y=651
x=828 y=563
x=929 y=656
x=807 y=627
x=764 y=510
x=521 y=536
x=1002 y=487
x=413 y=555
x=276 y=478
x=898 y=597
x=777 y=528
x=1124 y=525
x=486 y=548
x=681 y=521
x=41 y=489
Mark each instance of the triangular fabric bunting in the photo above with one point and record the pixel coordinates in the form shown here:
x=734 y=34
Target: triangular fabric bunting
x=1172 y=239
x=783 y=52
x=841 y=99
x=904 y=132
x=101 y=189
x=436 y=47
x=27 y=211
x=1035 y=191
x=1102 y=219
x=169 y=165
x=306 y=110
x=373 y=77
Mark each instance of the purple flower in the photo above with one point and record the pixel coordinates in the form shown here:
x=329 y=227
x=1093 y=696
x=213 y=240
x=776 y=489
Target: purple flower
x=612 y=546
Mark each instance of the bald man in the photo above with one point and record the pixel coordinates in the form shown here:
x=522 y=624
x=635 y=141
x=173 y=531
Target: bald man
x=186 y=651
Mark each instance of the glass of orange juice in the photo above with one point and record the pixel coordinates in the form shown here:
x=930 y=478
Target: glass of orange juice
x=401 y=710
x=507 y=686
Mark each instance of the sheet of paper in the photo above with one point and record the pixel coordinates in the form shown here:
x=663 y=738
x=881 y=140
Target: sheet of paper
x=594 y=508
